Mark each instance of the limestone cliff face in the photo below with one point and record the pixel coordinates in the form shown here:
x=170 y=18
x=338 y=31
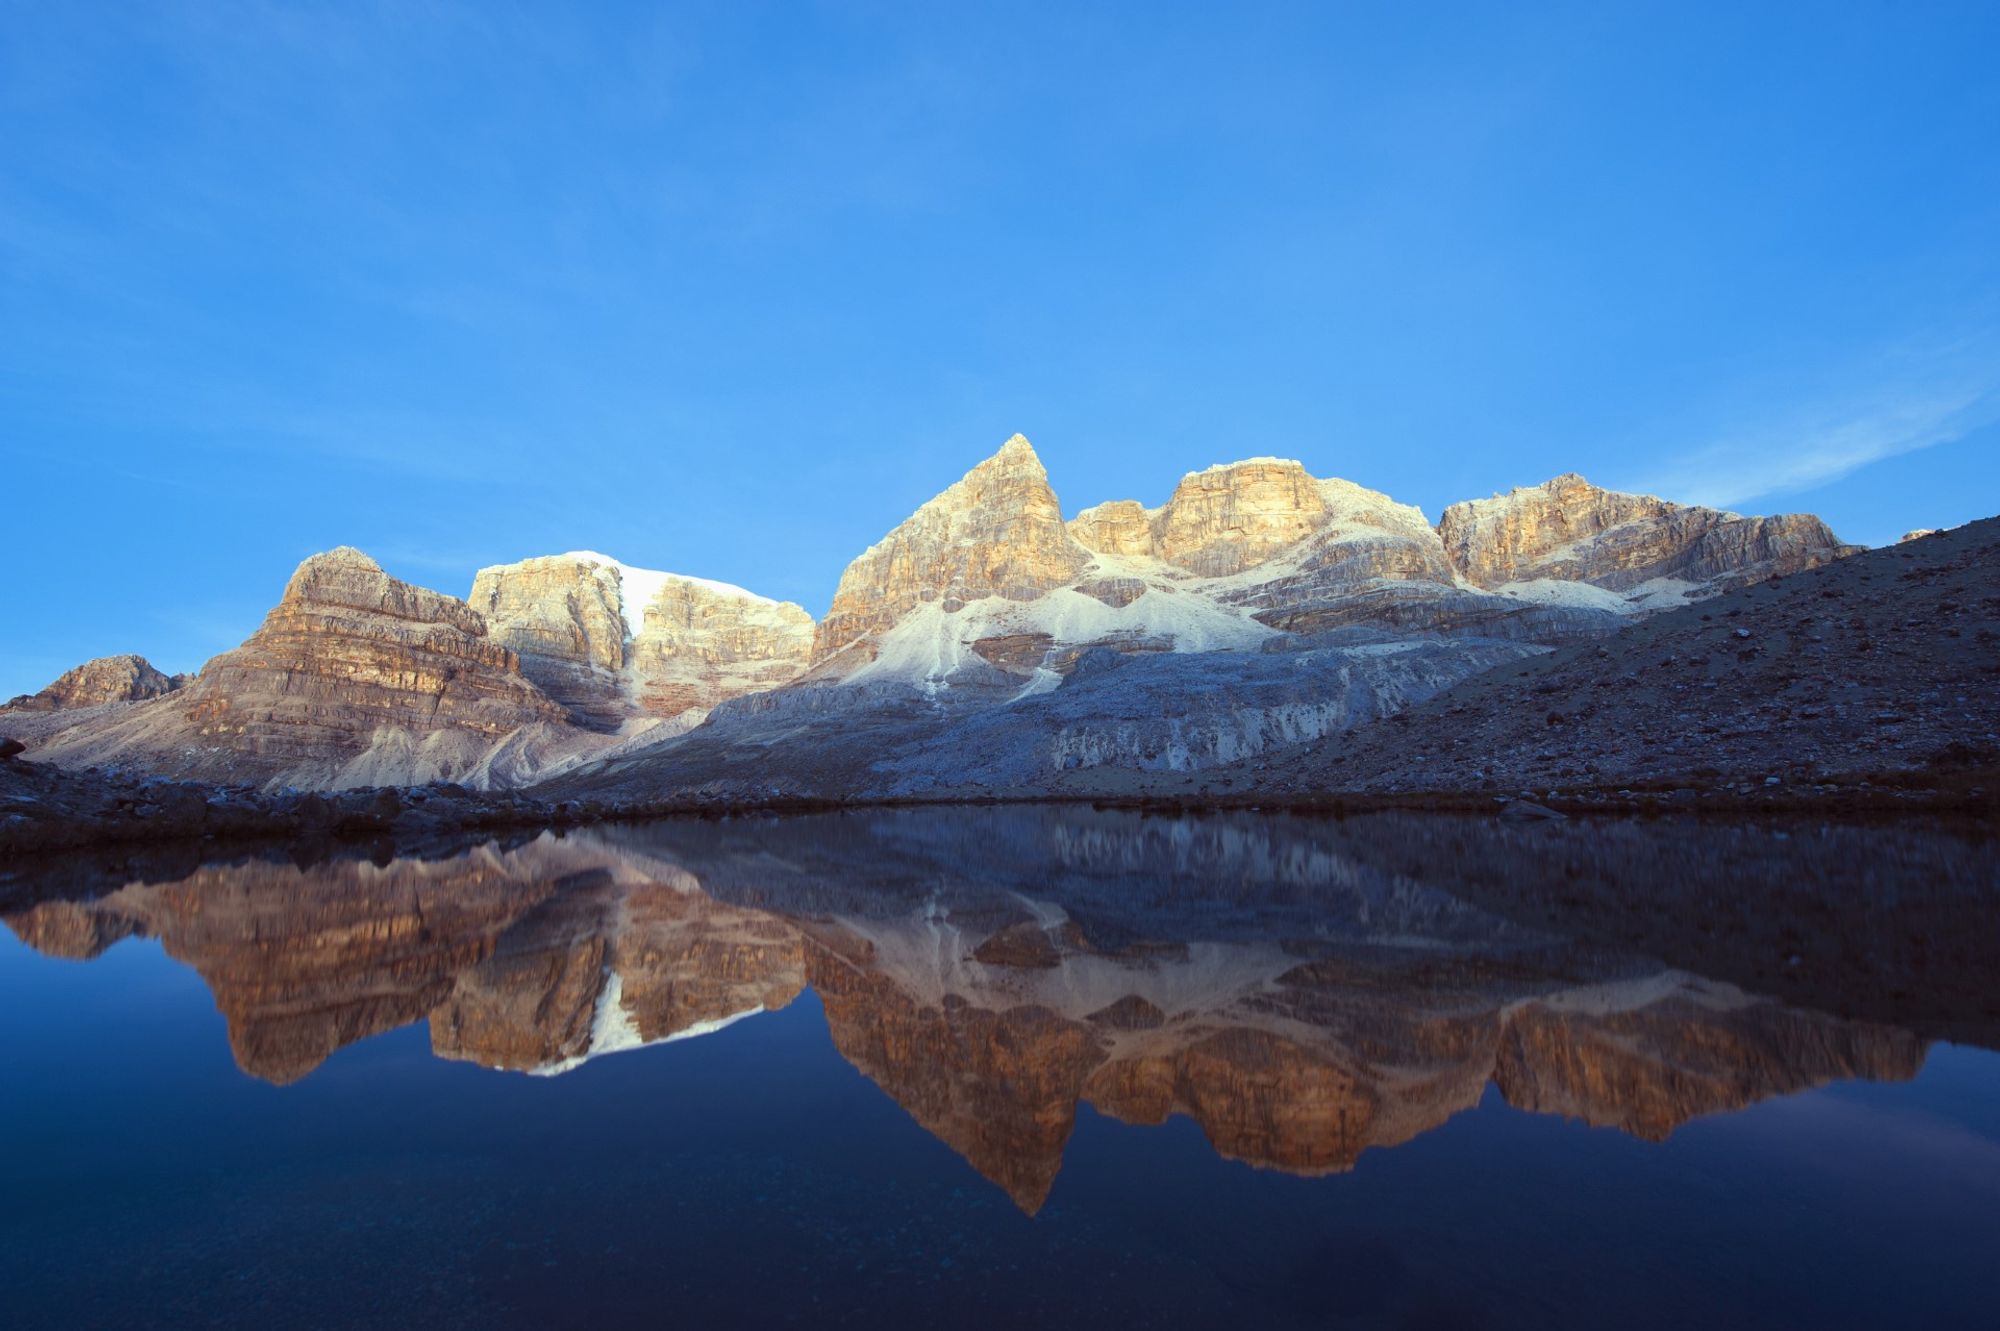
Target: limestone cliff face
x=1570 y=530
x=562 y=616
x=703 y=643
x=1305 y=555
x=1218 y=522
x=612 y=643
x=1236 y=516
x=350 y=650
x=997 y=532
x=1117 y=527
x=105 y=679
x=355 y=678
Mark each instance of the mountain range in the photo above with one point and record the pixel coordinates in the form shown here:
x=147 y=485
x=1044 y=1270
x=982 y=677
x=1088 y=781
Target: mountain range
x=985 y=642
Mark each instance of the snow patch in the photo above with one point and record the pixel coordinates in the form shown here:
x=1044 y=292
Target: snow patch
x=612 y=1030
x=1214 y=467
x=640 y=587
x=1558 y=591
x=930 y=644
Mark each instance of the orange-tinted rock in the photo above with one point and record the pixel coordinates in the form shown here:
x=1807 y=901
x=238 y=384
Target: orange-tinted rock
x=1570 y=530
x=997 y=532
x=103 y=680
x=355 y=678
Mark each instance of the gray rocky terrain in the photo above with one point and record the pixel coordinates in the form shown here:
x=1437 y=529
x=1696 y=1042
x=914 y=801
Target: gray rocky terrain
x=1879 y=671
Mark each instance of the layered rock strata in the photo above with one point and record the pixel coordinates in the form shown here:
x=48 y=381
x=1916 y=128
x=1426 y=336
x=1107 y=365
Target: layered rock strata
x=997 y=532
x=355 y=678
x=614 y=643
x=564 y=617
x=1569 y=530
x=106 y=679
x=702 y=643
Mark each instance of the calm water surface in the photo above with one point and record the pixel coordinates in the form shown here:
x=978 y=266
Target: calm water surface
x=1036 y=1067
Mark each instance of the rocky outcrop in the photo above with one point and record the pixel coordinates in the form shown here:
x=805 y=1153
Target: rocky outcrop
x=354 y=679
x=982 y=600
x=613 y=643
x=106 y=679
x=997 y=532
x=563 y=616
x=702 y=643
x=1569 y=530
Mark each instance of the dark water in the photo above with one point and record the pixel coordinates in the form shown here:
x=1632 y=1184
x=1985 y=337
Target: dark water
x=1033 y=1067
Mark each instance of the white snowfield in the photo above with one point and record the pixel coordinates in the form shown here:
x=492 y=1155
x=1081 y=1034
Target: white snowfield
x=612 y=1030
x=930 y=644
x=1656 y=594
x=640 y=587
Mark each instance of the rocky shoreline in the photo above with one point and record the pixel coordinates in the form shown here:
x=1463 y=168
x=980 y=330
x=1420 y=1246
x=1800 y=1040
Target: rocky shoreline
x=46 y=809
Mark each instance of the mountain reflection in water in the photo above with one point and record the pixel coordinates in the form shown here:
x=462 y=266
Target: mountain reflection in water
x=1303 y=991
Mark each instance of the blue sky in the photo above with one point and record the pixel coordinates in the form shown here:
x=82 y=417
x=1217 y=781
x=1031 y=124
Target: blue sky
x=729 y=289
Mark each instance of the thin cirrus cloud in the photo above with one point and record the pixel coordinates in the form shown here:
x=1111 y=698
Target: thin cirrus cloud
x=1818 y=450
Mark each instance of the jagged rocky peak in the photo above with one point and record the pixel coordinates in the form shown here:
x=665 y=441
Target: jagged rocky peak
x=355 y=678
x=1230 y=518
x=612 y=642
x=1235 y=516
x=105 y=679
x=351 y=650
x=1569 y=530
x=997 y=532
x=346 y=579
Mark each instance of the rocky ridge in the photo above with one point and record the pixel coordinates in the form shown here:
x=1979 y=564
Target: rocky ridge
x=355 y=678
x=617 y=645
x=105 y=679
x=1879 y=668
x=983 y=644
x=1568 y=530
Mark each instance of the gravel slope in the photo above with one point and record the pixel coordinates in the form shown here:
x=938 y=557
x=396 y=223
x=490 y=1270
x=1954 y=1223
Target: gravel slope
x=1887 y=661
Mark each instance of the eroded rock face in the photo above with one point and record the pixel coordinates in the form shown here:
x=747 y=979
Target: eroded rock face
x=1230 y=518
x=613 y=643
x=704 y=643
x=355 y=678
x=997 y=532
x=1570 y=530
x=1118 y=527
x=1306 y=555
x=105 y=679
x=350 y=650
x=563 y=616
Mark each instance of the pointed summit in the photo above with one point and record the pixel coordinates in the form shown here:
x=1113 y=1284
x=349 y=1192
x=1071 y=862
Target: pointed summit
x=997 y=532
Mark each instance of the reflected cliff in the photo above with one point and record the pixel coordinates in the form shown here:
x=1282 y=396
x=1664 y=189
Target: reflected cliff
x=1303 y=991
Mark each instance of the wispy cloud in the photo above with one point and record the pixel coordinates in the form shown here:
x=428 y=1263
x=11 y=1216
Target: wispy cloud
x=1813 y=448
